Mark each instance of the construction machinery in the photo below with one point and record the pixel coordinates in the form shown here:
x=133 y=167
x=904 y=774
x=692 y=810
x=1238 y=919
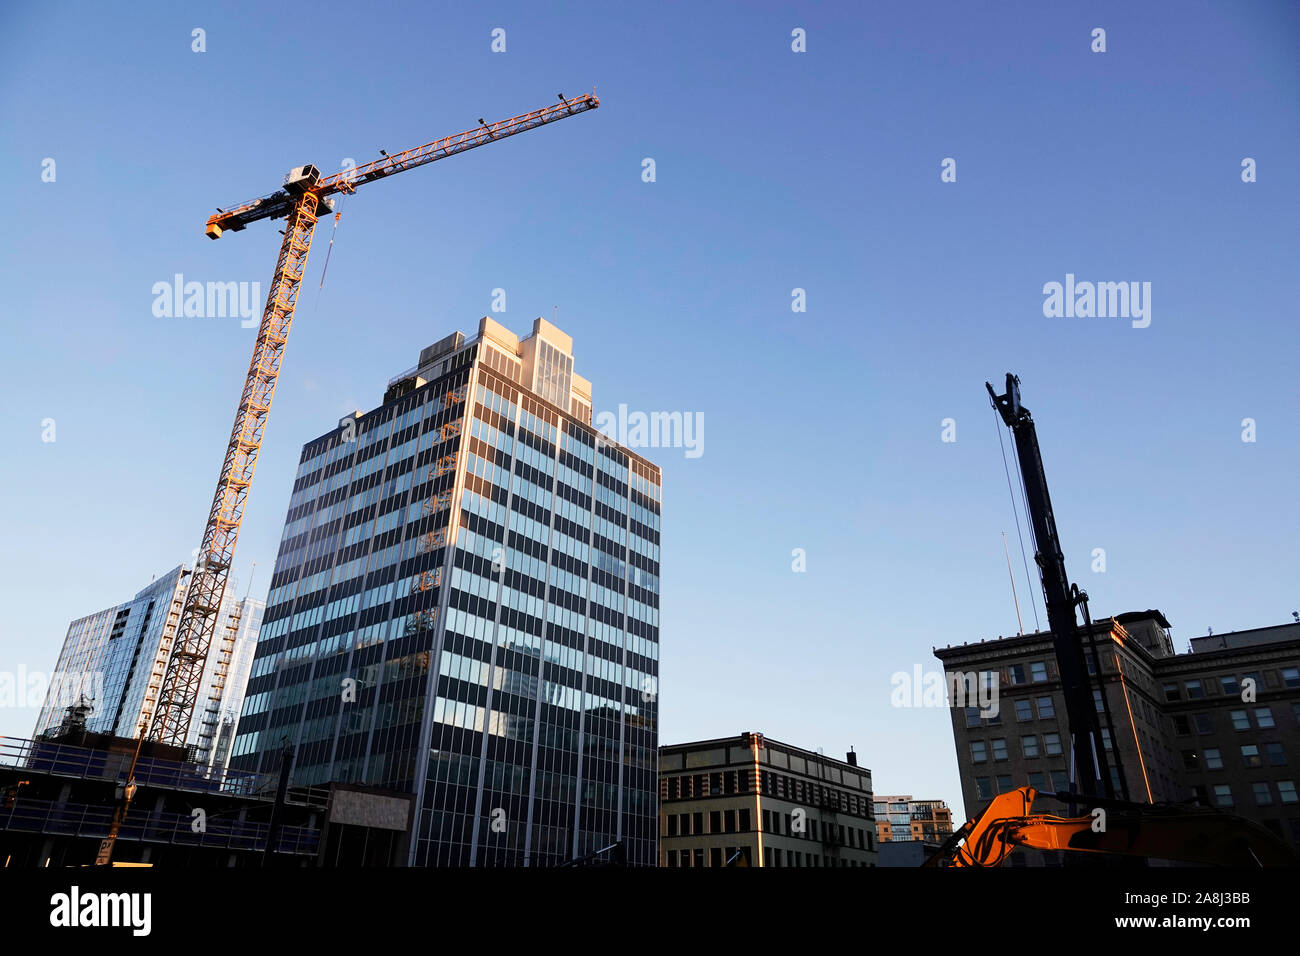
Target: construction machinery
x=1175 y=832
x=304 y=196
x=1113 y=825
x=1088 y=765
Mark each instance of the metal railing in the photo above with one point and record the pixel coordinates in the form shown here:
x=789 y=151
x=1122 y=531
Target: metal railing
x=142 y=825
x=69 y=760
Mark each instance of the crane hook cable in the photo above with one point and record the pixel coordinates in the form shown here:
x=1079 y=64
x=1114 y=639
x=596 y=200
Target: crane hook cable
x=1016 y=513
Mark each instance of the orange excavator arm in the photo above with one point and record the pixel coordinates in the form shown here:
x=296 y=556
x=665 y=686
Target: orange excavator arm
x=1181 y=833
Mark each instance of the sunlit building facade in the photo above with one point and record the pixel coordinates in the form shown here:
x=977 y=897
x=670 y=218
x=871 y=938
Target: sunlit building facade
x=465 y=608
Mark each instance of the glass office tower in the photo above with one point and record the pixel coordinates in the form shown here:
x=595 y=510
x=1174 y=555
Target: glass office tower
x=465 y=608
x=116 y=659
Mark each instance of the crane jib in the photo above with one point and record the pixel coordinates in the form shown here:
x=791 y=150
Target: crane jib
x=277 y=204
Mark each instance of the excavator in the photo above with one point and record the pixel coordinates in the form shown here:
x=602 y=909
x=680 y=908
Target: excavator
x=1181 y=833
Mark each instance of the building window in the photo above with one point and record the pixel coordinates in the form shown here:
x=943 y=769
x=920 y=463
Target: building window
x=1097 y=701
x=672 y=857
x=1230 y=686
x=1190 y=760
x=1052 y=744
x=1004 y=783
x=1171 y=692
x=1213 y=759
x=1038 y=781
x=1060 y=782
x=972 y=716
x=1263 y=796
x=1264 y=718
x=715 y=821
x=1291 y=676
x=1046 y=709
x=978 y=751
x=715 y=856
x=1105 y=738
x=1250 y=756
x=999 y=748
x=1017 y=673
x=1029 y=745
x=1276 y=758
x=672 y=825
x=1240 y=720
x=1024 y=709
x=1194 y=690
x=1037 y=672
x=1182 y=727
x=1286 y=791
x=1204 y=723
x=1223 y=794
x=742 y=819
x=1199 y=796
x=983 y=788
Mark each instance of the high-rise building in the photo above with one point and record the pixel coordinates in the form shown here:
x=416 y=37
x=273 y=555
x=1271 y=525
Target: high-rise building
x=753 y=801
x=1219 y=725
x=115 y=660
x=465 y=608
x=900 y=819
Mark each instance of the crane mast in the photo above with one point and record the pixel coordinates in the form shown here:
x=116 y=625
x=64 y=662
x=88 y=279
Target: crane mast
x=1088 y=755
x=304 y=196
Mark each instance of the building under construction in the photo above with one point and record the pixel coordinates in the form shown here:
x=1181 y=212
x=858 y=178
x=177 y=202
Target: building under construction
x=112 y=663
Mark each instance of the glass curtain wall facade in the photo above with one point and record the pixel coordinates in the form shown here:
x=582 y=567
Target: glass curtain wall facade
x=117 y=657
x=465 y=607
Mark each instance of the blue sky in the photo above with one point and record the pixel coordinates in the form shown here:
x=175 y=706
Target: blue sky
x=775 y=170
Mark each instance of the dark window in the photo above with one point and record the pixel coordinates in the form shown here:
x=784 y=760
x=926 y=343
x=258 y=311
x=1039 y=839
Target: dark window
x=672 y=825
x=742 y=820
x=697 y=822
x=715 y=856
x=715 y=821
x=1204 y=723
x=1191 y=761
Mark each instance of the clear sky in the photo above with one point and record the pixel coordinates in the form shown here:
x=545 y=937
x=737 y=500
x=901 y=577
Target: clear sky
x=774 y=171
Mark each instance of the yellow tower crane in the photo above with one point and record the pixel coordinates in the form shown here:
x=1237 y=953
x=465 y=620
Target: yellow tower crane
x=304 y=196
